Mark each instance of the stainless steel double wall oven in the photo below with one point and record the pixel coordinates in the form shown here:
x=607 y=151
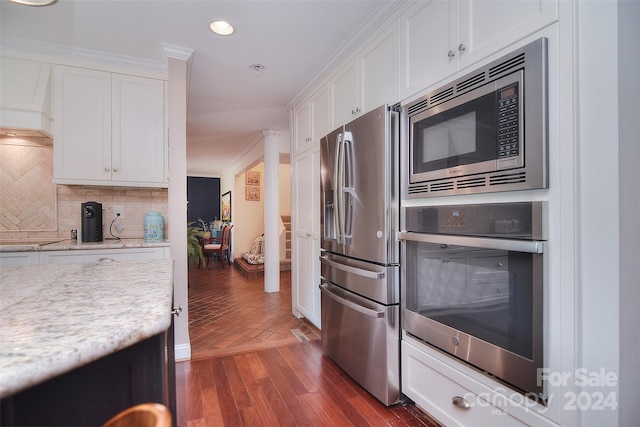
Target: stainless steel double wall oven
x=472 y=270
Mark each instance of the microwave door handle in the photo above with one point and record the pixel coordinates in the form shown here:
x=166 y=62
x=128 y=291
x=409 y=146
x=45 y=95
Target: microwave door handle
x=533 y=247
x=337 y=183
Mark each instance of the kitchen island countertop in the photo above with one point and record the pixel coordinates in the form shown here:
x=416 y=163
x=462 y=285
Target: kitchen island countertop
x=68 y=244
x=56 y=318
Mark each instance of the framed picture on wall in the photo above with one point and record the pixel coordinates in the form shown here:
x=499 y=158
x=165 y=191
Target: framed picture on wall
x=252 y=193
x=225 y=206
x=253 y=178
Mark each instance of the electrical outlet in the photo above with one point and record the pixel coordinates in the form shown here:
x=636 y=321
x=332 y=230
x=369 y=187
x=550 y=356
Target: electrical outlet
x=118 y=209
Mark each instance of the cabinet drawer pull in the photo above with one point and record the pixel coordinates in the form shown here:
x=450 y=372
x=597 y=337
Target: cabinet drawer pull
x=460 y=402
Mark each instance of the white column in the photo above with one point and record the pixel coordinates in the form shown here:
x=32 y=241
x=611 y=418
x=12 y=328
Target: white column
x=271 y=211
x=177 y=88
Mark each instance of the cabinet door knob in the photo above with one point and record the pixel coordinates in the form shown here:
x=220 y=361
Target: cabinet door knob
x=177 y=310
x=461 y=47
x=451 y=54
x=460 y=402
x=106 y=169
x=115 y=169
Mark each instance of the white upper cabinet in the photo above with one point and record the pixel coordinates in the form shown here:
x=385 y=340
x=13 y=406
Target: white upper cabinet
x=109 y=129
x=82 y=124
x=378 y=71
x=320 y=114
x=439 y=38
x=311 y=120
x=137 y=129
x=302 y=126
x=367 y=81
x=345 y=104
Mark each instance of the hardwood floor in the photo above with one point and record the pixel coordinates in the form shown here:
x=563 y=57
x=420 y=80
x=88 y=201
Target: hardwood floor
x=270 y=382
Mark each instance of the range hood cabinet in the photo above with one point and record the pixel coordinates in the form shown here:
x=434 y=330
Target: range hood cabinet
x=25 y=98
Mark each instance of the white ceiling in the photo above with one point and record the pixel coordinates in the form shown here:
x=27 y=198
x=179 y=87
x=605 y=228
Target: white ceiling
x=229 y=104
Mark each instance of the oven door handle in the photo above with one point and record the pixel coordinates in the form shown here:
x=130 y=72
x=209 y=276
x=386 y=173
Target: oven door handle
x=352 y=305
x=353 y=270
x=533 y=247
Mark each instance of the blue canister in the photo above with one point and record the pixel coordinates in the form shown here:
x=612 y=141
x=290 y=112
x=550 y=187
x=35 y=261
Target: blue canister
x=153 y=226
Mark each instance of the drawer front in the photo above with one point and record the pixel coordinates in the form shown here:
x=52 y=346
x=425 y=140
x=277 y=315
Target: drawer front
x=435 y=393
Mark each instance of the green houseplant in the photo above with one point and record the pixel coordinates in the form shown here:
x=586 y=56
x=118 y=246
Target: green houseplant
x=194 y=247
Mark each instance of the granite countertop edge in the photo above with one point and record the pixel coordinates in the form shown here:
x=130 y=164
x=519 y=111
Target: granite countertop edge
x=57 y=318
x=70 y=245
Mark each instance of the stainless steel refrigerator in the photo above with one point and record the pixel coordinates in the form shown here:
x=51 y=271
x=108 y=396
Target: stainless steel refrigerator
x=359 y=252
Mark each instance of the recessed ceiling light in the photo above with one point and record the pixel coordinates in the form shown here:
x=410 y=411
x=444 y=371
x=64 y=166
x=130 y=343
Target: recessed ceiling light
x=35 y=2
x=222 y=28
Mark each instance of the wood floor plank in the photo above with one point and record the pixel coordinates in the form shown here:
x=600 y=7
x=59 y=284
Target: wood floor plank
x=238 y=388
x=278 y=405
x=225 y=393
x=285 y=387
x=252 y=371
x=305 y=375
x=212 y=412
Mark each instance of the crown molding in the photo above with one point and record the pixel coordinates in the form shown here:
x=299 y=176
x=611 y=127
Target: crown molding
x=382 y=16
x=65 y=55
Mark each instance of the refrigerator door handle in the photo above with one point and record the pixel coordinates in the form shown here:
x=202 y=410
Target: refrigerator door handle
x=337 y=179
x=348 y=190
x=377 y=275
x=352 y=305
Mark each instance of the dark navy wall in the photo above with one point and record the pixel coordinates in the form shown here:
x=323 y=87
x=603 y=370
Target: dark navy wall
x=203 y=196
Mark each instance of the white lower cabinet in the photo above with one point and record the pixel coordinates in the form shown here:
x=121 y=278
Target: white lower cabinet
x=94 y=255
x=456 y=399
x=13 y=259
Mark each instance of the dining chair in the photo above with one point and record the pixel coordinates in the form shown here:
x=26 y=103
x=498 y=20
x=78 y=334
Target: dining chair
x=218 y=246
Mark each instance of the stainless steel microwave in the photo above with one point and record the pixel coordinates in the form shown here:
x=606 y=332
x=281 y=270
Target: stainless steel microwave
x=484 y=132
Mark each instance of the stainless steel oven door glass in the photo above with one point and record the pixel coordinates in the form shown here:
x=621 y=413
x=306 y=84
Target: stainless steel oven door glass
x=479 y=299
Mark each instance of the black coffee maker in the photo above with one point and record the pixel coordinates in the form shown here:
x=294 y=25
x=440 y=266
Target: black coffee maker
x=92 y=222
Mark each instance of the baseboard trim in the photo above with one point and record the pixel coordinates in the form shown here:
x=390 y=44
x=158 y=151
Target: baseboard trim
x=183 y=352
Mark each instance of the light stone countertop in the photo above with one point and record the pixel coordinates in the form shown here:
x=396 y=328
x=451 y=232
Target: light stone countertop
x=68 y=244
x=56 y=318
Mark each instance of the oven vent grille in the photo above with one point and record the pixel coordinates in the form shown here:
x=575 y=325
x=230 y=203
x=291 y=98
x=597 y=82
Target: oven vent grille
x=512 y=178
x=442 y=186
x=507 y=66
x=441 y=96
x=471 y=82
x=472 y=182
x=419 y=106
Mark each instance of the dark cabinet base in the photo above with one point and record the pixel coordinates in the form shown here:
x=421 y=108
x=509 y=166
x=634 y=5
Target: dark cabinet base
x=90 y=395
